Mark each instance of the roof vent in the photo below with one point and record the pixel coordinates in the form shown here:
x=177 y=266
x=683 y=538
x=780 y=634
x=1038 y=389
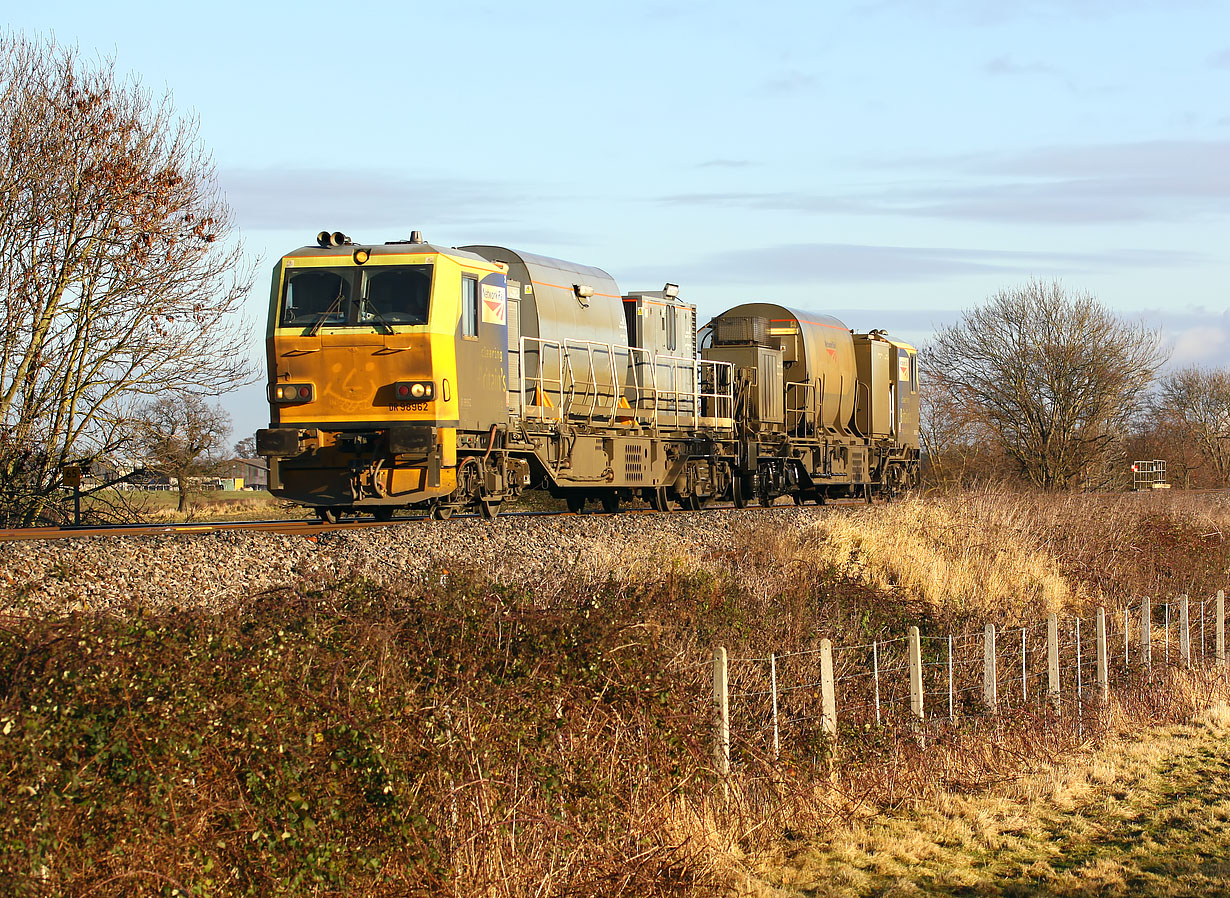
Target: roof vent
x=416 y=237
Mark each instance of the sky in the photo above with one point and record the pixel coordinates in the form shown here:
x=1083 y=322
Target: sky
x=890 y=162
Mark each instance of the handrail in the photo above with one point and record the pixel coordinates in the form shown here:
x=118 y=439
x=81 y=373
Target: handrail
x=669 y=390
x=807 y=410
x=867 y=389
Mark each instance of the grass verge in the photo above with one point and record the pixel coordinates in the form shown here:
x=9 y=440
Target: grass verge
x=1139 y=816
x=472 y=738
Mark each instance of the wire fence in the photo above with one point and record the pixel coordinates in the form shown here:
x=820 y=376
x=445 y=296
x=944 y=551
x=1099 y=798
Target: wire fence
x=785 y=702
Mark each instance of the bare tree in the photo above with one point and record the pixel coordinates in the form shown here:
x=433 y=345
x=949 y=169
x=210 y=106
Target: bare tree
x=1195 y=402
x=1052 y=378
x=246 y=448
x=117 y=277
x=184 y=438
x=948 y=438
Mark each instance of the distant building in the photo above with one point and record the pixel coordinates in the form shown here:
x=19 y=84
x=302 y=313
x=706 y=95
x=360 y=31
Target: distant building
x=254 y=472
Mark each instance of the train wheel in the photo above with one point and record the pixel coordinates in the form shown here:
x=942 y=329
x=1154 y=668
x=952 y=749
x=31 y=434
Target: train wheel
x=489 y=509
x=576 y=502
x=739 y=491
x=610 y=502
x=441 y=512
x=384 y=513
x=657 y=498
x=898 y=481
x=327 y=515
x=892 y=485
x=766 y=501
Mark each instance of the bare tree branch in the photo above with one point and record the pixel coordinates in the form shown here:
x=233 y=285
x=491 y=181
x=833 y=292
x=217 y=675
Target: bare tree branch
x=1051 y=378
x=183 y=437
x=118 y=276
x=1196 y=403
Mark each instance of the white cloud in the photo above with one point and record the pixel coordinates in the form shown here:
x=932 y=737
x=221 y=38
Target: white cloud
x=791 y=82
x=1201 y=346
x=1197 y=336
x=979 y=12
x=1007 y=66
x=841 y=263
x=1109 y=183
x=273 y=199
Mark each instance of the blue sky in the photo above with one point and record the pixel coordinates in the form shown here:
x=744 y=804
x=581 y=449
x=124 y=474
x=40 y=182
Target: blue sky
x=889 y=162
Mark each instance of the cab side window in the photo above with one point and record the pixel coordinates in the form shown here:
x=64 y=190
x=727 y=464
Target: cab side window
x=469 y=306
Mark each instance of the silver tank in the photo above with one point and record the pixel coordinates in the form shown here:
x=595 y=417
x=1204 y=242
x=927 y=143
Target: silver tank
x=816 y=349
x=550 y=307
x=561 y=302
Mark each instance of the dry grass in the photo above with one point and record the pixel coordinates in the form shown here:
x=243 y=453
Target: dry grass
x=1139 y=816
x=162 y=506
x=556 y=741
x=980 y=556
x=1014 y=558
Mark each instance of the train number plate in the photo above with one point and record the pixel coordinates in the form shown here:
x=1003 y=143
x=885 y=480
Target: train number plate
x=409 y=406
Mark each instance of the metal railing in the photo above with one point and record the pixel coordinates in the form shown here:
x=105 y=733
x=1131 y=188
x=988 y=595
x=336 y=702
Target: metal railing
x=801 y=403
x=593 y=382
x=1149 y=474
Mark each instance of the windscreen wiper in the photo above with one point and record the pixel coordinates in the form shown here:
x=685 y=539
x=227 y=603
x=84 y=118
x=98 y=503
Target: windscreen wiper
x=376 y=313
x=319 y=322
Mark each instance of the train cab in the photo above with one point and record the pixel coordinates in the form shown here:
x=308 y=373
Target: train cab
x=382 y=361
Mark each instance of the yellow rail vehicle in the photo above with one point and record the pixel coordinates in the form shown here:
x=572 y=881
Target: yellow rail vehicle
x=382 y=361
x=412 y=375
x=407 y=374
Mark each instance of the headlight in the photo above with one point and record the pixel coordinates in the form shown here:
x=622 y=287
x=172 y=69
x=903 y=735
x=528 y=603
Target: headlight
x=414 y=390
x=291 y=393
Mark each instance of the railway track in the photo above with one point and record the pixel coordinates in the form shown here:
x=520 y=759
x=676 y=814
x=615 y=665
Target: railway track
x=310 y=526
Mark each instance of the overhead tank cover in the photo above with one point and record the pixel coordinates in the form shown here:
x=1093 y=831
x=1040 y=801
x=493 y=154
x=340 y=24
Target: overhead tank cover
x=550 y=308
x=817 y=349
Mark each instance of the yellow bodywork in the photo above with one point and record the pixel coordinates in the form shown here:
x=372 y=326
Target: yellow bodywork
x=352 y=371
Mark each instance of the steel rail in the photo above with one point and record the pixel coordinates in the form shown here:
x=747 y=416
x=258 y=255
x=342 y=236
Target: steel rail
x=309 y=526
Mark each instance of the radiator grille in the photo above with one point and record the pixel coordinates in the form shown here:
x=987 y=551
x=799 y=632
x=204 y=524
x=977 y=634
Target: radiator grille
x=636 y=459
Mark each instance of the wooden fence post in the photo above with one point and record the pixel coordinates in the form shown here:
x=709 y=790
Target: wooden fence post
x=916 y=684
x=721 y=698
x=989 y=694
x=1146 y=633
x=777 y=742
x=1052 y=661
x=828 y=698
x=1221 y=627
x=1103 y=667
x=951 y=712
x=875 y=673
x=1185 y=632
x=1024 y=671
x=1080 y=696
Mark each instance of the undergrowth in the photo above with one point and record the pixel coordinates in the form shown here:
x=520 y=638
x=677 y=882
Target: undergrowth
x=471 y=738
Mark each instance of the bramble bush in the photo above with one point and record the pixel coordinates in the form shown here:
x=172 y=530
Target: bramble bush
x=481 y=739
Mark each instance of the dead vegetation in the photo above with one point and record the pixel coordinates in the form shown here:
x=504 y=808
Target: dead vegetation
x=467 y=737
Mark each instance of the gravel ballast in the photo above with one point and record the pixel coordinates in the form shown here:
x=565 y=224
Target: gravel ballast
x=222 y=569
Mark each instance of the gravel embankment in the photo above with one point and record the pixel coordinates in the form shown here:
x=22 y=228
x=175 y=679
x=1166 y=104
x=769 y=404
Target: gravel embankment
x=216 y=570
